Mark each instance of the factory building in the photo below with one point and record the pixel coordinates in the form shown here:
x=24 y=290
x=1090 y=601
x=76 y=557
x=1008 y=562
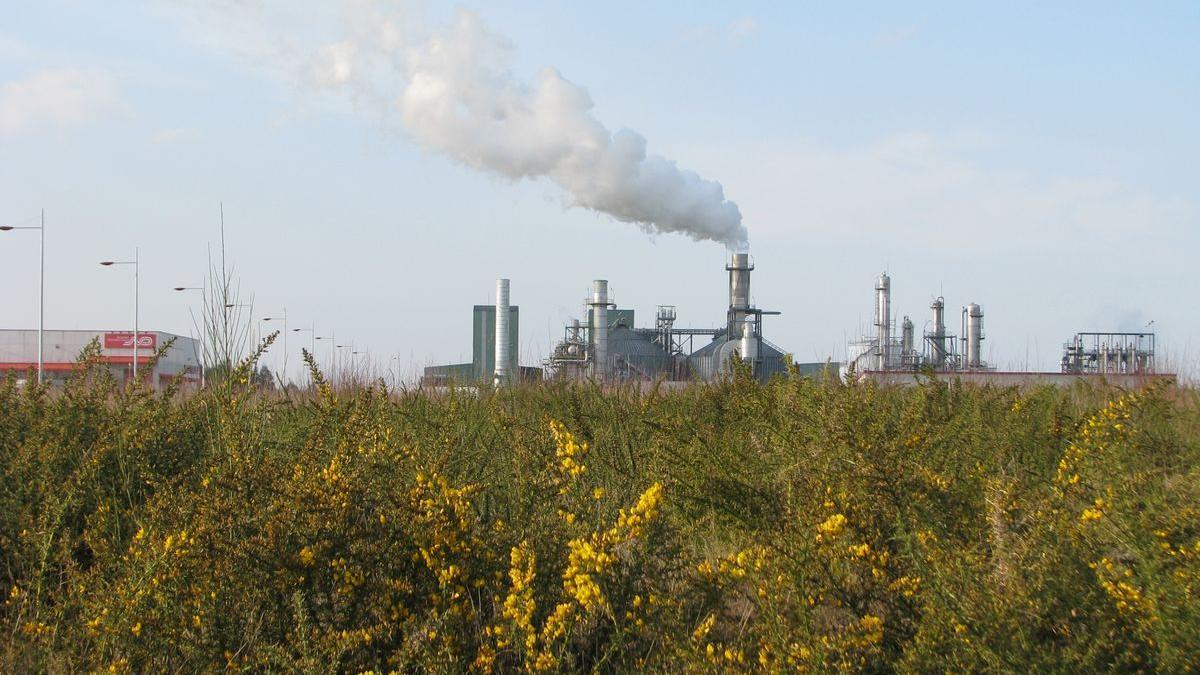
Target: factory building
x=609 y=346
x=61 y=348
x=487 y=341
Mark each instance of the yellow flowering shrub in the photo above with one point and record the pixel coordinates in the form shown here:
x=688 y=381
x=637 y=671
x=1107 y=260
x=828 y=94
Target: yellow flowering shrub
x=798 y=526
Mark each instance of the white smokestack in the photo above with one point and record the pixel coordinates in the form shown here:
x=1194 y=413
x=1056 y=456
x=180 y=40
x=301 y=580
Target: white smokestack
x=503 y=370
x=458 y=95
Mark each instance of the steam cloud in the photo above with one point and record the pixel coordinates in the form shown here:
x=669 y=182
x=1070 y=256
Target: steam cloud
x=460 y=97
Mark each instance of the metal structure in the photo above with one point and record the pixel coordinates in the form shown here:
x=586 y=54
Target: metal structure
x=1109 y=353
x=614 y=349
x=882 y=352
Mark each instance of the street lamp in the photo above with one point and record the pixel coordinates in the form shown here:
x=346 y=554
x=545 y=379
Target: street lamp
x=285 y=332
x=41 y=285
x=134 y=262
x=196 y=351
x=332 y=337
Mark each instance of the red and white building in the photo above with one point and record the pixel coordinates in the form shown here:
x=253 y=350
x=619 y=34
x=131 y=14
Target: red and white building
x=61 y=349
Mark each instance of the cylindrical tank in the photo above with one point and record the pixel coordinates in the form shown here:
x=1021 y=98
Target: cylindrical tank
x=883 y=312
x=599 y=328
x=502 y=375
x=749 y=346
x=974 y=336
x=938 y=338
x=739 y=281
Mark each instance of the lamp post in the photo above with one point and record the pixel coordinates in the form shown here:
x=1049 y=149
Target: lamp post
x=312 y=338
x=285 y=332
x=41 y=228
x=351 y=348
x=134 y=262
x=332 y=337
x=196 y=351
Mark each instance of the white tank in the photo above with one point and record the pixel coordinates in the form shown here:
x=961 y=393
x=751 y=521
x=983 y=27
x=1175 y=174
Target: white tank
x=503 y=372
x=883 y=313
x=599 y=328
x=974 y=336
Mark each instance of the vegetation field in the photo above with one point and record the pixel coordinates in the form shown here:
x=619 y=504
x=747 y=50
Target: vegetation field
x=801 y=525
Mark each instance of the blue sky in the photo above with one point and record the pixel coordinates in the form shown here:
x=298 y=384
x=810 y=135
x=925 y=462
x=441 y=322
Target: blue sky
x=1040 y=161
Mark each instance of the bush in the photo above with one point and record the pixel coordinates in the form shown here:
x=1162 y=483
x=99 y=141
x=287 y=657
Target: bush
x=798 y=525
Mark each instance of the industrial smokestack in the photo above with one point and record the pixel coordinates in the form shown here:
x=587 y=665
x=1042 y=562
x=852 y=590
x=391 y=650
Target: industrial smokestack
x=503 y=373
x=883 y=323
x=599 y=328
x=739 y=292
x=974 y=335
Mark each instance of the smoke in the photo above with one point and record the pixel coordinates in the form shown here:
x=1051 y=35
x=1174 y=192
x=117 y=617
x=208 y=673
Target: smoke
x=455 y=92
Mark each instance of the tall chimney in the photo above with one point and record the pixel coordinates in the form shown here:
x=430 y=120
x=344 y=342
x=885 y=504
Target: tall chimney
x=503 y=373
x=739 y=292
x=599 y=328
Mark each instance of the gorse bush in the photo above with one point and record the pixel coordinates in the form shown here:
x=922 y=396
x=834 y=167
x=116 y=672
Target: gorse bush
x=799 y=525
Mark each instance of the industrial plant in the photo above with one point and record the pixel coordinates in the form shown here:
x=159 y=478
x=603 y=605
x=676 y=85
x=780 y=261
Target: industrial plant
x=606 y=344
x=886 y=358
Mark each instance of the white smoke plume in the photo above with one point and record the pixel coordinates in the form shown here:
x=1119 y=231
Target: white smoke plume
x=455 y=93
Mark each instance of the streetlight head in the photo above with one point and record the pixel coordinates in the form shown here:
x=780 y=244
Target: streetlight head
x=107 y=263
x=180 y=288
x=295 y=330
x=5 y=228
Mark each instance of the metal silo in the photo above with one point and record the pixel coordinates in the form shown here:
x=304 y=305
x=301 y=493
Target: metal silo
x=749 y=345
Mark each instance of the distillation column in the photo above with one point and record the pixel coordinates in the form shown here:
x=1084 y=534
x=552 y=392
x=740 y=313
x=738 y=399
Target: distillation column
x=599 y=329
x=883 y=324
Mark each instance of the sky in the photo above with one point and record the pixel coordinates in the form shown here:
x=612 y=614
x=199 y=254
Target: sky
x=1038 y=160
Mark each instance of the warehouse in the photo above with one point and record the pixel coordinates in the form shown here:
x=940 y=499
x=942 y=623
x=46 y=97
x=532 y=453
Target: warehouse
x=61 y=350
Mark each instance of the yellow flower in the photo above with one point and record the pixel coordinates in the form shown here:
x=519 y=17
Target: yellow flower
x=832 y=526
x=137 y=629
x=306 y=556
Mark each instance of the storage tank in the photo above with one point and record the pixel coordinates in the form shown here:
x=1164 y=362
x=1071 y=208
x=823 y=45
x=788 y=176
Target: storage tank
x=974 y=335
x=883 y=310
x=503 y=372
x=599 y=328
